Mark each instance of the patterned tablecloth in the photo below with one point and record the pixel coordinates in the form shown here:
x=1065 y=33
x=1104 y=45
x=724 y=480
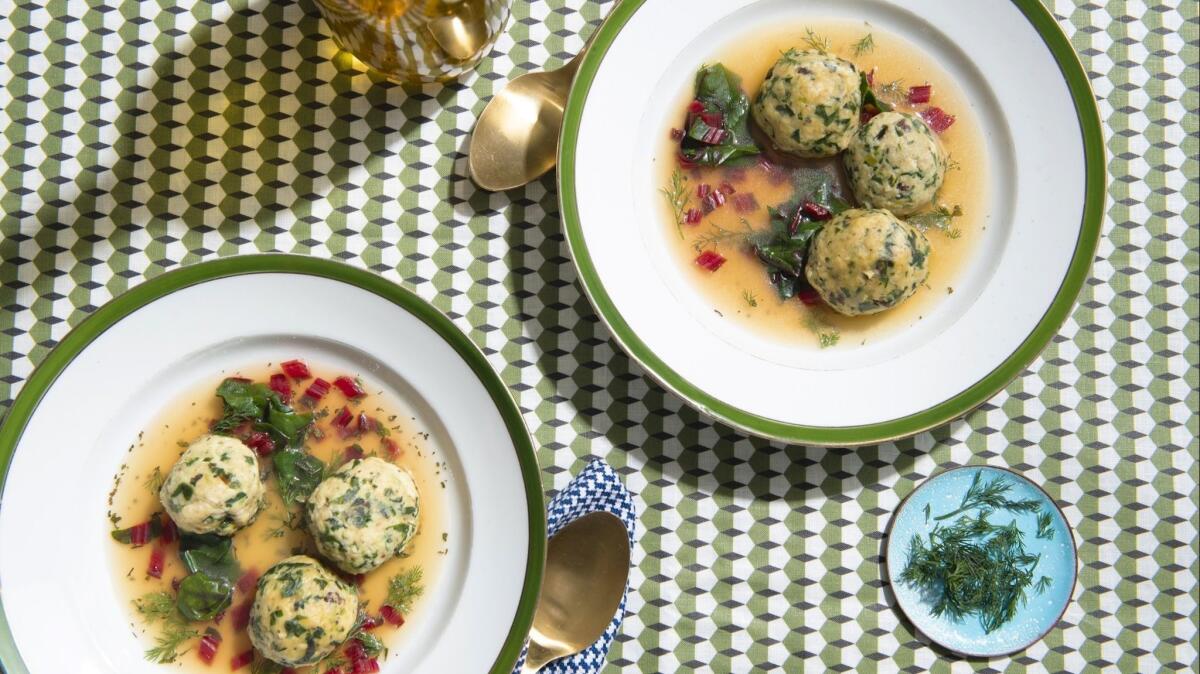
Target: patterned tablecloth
x=138 y=136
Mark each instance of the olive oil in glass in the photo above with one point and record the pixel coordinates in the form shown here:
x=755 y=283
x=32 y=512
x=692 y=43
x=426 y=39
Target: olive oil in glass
x=416 y=40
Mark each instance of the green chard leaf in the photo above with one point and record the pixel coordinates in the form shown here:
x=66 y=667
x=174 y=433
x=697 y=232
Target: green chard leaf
x=286 y=427
x=202 y=597
x=720 y=93
x=210 y=554
x=298 y=473
x=869 y=99
x=243 y=400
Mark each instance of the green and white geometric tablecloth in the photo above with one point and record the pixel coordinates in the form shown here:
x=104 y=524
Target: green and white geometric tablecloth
x=137 y=136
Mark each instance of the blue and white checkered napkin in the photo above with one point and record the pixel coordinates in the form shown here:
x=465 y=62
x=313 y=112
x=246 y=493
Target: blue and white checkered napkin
x=597 y=487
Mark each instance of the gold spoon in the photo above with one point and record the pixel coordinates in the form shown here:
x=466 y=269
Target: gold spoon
x=516 y=138
x=587 y=567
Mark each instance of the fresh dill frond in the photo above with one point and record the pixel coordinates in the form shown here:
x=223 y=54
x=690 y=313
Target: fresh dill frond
x=815 y=41
x=1045 y=525
x=750 y=298
x=864 y=46
x=940 y=218
x=154 y=481
x=972 y=567
x=719 y=235
x=160 y=607
x=991 y=495
x=676 y=195
x=826 y=336
x=283 y=525
x=404 y=588
x=155 y=606
x=952 y=164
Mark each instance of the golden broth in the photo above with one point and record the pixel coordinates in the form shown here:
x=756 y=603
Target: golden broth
x=740 y=290
x=269 y=538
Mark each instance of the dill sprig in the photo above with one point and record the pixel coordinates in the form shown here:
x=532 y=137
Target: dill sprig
x=404 y=588
x=940 y=218
x=973 y=568
x=154 y=481
x=719 y=235
x=815 y=41
x=750 y=298
x=293 y=521
x=827 y=336
x=991 y=495
x=676 y=195
x=864 y=46
x=1045 y=524
x=160 y=607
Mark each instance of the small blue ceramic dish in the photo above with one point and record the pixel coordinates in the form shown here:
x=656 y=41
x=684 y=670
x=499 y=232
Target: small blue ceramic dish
x=943 y=494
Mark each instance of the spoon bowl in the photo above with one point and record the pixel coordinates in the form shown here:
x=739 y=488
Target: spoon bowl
x=587 y=568
x=516 y=138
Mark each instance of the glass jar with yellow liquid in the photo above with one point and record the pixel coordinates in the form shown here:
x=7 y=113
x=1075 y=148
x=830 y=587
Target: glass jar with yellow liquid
x=416 y=40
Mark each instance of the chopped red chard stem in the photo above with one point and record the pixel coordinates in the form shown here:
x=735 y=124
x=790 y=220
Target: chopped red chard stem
x=727 y=188
x=280 y=384
x=317 y=390
x=241 y=615
x=371 y=622
x=920 y=94
x=343 y=418
x=366 y=424
x=867 y=115
x=242 y=659
x=809 y=296
x=713 y=119
x=718 y=198
x=158 y=558
x=695 y=107
x=208 y=647
x=713 y=136
x=169 y=532
x=693 y=216
x=248 y=580
x=296 y=369
x=676 y=134
x=703 y=190
x=392 y=449
x=815 y=211
x=871 y=78
x=744 y=202
x=353 y=452
x=261 y=443
x=391 y=615
x=937 y=119
x=710 y=260
x=685 y=163
x=349 y=387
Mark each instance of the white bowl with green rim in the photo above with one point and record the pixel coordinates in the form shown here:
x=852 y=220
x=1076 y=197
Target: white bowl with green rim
x=1046 y=159
x=70 y=427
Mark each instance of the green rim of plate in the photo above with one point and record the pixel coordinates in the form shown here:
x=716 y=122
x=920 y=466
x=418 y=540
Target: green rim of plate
x=118 y=308
x=957 y=406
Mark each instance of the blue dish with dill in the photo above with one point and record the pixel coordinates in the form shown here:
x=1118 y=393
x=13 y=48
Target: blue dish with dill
x=981 y=560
